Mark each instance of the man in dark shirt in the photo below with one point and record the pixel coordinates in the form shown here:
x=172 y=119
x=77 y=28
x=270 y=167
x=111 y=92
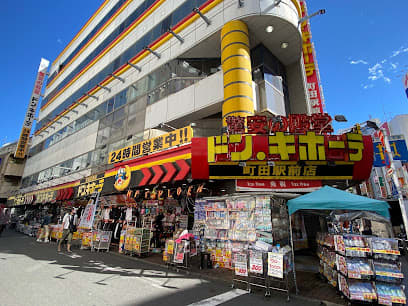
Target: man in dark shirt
x=46 y=229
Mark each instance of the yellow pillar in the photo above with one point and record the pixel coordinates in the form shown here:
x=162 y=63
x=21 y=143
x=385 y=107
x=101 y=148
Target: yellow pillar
x=236 y=65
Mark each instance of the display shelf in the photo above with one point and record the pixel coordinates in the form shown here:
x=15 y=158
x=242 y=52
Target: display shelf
x=389 y=294
x=357 y=290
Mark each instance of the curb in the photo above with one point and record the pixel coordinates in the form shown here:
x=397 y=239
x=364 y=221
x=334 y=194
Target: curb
x=213 y=278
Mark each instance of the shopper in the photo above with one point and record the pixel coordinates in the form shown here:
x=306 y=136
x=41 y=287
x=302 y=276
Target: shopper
x=158 y=226
x=46 y=230
x=68 y=226
x=3 y=219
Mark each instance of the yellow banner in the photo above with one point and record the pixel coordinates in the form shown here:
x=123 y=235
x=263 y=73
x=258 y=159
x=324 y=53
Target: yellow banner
x=22 y=143
x=160 y=143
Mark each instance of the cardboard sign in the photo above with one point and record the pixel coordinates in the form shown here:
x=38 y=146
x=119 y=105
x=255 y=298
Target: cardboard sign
x=255 y=262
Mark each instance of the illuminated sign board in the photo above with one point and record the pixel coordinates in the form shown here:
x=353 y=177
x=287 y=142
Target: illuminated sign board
x=300 y=149
x=163 y=142
x=22 y=144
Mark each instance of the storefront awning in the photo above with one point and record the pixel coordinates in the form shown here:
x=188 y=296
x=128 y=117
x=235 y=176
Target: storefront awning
x=329 y=198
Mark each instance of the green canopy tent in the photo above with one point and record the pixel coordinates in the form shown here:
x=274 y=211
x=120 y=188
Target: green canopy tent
x=329 y=198
x=332 y=199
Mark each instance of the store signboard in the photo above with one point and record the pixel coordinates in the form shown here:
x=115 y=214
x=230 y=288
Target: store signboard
x=278 y=185
x=159 y=168
x=293 y=123
x=283 y=156
x=154 y=145
x=22 y=144
x=314 y=88
x=275 y=265
x=398 y=149
x=90 y=185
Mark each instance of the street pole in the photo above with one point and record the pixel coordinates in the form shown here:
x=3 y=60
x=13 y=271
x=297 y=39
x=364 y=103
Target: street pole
x=402 y=202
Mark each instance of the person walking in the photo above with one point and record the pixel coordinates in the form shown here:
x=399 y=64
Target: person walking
x=3 y=219
x=68 y=226
x=46 y=229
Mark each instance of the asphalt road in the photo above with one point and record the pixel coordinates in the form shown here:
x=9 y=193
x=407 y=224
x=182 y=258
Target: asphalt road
x=33 y=273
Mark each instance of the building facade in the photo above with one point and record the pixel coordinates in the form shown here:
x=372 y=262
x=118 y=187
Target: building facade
x=11 y=171
x=137 y=65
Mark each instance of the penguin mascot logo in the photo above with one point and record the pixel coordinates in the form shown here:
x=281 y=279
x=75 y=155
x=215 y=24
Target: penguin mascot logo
x=122 y=178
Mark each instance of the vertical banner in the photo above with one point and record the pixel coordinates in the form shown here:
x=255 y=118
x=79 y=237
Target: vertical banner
x=275 y=265
x=314 y=89
x=88 y=216
x=32 y=107
x=405 y=80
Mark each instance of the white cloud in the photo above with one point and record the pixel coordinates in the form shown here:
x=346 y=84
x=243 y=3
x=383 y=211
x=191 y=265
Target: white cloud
x=367 y=86
x=59 y=40
x=376 y=72
x=383 y=61
x=358 y=62
x=395 y=53
x=394 y=66
x=399 y=51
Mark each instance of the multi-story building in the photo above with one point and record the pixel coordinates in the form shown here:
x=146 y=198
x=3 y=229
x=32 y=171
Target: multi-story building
x=11 y=171
x=137 y=64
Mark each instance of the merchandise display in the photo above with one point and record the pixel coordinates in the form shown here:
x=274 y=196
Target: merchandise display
x=368 y=267
x=387 y=272
x=389 y=294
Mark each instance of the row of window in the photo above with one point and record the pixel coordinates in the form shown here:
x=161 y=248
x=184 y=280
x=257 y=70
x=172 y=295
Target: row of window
x=88 y=38
x=121 y=60
x=164 y=81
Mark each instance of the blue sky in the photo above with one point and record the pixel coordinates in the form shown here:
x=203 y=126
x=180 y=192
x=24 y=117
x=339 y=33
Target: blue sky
x=361 y=47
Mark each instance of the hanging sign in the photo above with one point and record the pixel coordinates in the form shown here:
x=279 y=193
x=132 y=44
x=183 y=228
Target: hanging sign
x=160 y=143
x=310 y=63
x=179 y=255
x=275 y=265
x=22 y=144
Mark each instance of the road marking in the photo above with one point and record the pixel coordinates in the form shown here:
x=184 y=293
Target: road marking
x=221 y=298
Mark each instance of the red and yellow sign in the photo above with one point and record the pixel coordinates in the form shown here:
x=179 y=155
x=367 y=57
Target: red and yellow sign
x=312 y=72
x=122 y=178
x=160 y=143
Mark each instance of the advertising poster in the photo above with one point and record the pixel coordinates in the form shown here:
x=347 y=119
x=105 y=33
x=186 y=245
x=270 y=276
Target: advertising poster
x=170 y=247
x=275 y=265
x=241 y=267
x=88 y=216
x=179 y=256
x=255 y=262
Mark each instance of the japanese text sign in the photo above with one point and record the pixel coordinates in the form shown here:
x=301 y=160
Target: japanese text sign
x=30 y=113
x=311 y=69
x=294 y=123
x=285 y=147
x=91 y=185
x=275 y=265
x=162 y=142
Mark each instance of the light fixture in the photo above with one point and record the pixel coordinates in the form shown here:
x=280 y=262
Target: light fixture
x=284 y=45
x=269 y=29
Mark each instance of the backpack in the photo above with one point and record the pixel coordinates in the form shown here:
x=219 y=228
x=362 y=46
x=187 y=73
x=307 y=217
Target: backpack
x=72 y=226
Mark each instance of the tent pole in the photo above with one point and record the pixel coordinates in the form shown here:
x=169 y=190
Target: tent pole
x=293 y=253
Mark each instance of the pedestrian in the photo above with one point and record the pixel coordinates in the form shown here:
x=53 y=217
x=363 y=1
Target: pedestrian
x=3 y=219
x=46 y=230
x=69 y=227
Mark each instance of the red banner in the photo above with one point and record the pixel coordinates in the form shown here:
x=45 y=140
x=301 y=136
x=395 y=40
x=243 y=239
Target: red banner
x=278 y=185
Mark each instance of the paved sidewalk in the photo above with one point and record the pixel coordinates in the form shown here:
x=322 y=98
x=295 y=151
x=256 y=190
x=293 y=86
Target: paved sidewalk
x=36 y=274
